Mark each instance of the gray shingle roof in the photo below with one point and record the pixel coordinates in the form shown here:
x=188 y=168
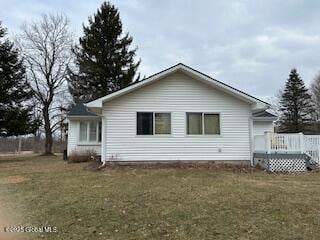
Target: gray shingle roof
x=80 y=110
x=264 y=114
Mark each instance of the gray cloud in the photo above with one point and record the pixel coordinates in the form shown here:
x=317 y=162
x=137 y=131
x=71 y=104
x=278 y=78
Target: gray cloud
x=249 y=44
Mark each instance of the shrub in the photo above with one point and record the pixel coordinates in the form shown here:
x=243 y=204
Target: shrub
x=82 y=156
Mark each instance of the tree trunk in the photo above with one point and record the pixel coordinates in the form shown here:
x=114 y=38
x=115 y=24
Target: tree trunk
x=47 y=129
x=36 y=142
x=19 y=146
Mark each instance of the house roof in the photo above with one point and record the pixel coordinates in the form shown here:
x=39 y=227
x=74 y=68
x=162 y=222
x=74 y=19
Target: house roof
x=187 y=70
x=80 y=110
x=264 y=114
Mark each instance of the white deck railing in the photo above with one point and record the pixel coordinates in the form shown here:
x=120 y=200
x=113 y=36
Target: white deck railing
x=289 y=143
x=312 y=146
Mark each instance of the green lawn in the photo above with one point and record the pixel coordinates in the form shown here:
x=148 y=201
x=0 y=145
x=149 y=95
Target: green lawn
x=126 y=203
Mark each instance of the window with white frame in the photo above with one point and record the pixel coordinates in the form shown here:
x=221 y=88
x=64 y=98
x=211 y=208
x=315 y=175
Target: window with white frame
x=90 y=131
x=203 y=123
x=153 y=123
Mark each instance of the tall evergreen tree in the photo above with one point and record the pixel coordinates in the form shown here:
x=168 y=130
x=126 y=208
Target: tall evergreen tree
x=104 y=58
x=15 y=116
x=296 y=104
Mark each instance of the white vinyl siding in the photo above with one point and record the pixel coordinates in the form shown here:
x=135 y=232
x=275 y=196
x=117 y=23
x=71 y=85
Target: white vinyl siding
x=260 y=127
x=177 y=94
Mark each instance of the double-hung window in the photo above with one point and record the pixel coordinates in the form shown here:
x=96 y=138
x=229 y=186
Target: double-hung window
x=203 y=123
x=90 y=131
x=153 y=123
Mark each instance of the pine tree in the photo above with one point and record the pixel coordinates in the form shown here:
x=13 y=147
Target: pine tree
x=104 y=59
x=15 y=117
x=296 y=104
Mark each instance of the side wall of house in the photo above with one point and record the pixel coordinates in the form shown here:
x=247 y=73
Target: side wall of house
x=259 y=128
x=73 y=139
x=176 y=94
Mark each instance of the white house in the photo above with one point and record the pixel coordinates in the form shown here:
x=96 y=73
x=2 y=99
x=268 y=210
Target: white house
x=176 y=114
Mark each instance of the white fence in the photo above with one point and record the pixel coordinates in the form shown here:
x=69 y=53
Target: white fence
x=288 y=143
x=312 y=146
x=17 y=144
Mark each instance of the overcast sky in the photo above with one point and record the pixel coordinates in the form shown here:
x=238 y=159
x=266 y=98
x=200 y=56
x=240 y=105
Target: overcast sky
x=251 y=45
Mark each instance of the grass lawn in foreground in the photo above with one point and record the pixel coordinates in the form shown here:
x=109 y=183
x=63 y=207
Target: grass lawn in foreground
x=126 y=203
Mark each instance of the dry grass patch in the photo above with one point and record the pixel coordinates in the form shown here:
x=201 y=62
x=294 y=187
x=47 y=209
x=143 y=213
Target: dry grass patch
x=126 y=202
x=13 y=179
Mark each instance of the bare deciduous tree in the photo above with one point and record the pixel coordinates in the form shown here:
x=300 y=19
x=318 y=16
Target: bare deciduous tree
x=46 y=47
x=275 y=106
x=315 y=90
x=275 y=102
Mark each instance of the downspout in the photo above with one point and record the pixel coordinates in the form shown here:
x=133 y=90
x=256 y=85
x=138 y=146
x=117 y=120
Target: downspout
x=103 y=142
x=251 y=140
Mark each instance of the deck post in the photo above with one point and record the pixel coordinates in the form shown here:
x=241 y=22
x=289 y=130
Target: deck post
x=301 y=138
x=267 y=141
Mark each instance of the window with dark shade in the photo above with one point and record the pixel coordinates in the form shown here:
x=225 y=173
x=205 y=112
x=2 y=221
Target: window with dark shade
x=100 y=131
x=144 y=123
x=153 y=123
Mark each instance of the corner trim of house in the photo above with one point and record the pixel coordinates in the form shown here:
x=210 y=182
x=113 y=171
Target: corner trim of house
x=103 y=154
x=251 y=138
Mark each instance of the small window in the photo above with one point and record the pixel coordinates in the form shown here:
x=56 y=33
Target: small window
x=211 y=123
x=151 y=123
x=203 y=123
x=93 y=132
x=83 y=131
x=90 y=131
x=100 y=131
x=144 y=123
x=194 y=122
x=162 y=123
